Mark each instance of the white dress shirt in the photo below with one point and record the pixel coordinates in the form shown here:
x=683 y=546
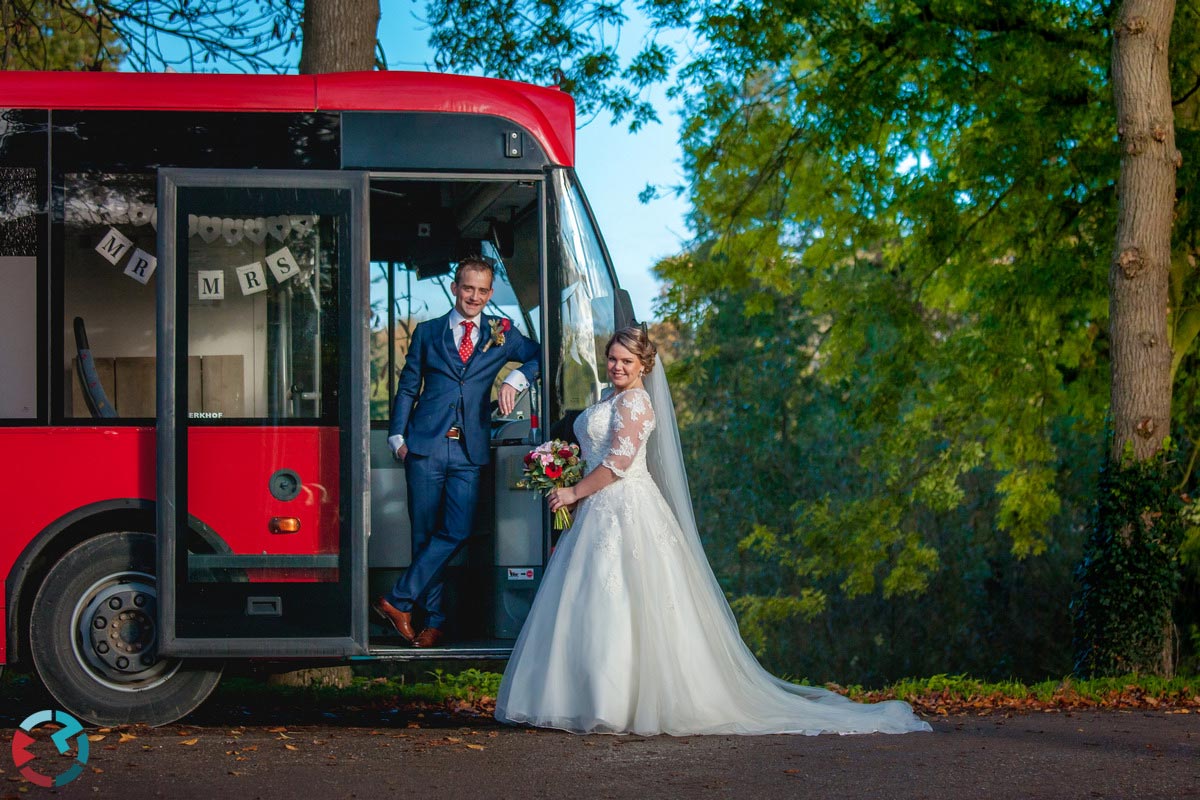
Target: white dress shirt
x=515 y=379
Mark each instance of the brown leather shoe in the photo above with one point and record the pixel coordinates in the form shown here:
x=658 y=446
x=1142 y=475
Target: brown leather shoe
x=400 y=620
x=428 y=638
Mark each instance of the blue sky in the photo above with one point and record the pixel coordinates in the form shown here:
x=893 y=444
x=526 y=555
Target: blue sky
x=613 y=165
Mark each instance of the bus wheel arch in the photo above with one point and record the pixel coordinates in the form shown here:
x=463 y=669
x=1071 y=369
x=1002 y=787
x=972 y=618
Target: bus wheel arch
x=60 y=536
x=50 y=545
x=93 y=636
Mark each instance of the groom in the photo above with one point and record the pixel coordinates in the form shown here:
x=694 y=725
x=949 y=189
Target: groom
x=440 y=428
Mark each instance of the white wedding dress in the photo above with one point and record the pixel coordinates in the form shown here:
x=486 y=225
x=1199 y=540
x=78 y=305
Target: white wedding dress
x=630 y=631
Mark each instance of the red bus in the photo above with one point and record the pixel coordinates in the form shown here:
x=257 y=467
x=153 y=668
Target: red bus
x=209 y=283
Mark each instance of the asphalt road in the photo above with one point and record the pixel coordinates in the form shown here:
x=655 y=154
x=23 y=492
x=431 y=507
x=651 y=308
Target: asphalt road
x=1091 y=754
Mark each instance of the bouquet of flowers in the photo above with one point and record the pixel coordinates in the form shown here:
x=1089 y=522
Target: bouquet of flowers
x=550 y=466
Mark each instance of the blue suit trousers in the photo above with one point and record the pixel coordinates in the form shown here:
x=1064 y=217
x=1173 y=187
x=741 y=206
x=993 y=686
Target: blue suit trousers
x=443 y=490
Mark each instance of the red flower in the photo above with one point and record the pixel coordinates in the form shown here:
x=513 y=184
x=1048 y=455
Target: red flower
x=553 y=471
x=564 y=453
x=505 y=324
x=528 y=457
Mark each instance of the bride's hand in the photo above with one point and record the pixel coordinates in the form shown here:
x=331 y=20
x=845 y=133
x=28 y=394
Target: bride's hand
x=559 y=498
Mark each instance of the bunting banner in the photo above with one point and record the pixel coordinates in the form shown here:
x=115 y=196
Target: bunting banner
x=209 y=228
x=252 y=278
x=283 y=265
x=114 y=246
x=210 y=284
x=141 y=266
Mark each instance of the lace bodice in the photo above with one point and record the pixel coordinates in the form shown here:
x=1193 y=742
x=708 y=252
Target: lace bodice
x=613 y=432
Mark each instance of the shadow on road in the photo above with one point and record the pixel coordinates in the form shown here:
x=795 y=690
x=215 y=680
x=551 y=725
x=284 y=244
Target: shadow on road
x=248 y=704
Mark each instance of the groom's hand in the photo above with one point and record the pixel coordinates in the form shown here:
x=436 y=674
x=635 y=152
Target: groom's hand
x=402 y=452
x=508 y=398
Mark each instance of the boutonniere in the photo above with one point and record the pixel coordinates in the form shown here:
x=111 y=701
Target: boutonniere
x=499 y=328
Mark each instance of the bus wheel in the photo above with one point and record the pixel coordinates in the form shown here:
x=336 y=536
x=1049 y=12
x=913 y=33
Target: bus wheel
x=94 y=637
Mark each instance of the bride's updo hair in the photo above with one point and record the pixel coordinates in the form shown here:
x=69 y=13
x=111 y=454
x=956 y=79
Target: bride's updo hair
x=635 y=340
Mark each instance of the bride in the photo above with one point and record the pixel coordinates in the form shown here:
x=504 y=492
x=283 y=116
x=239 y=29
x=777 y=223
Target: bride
x=630 y=631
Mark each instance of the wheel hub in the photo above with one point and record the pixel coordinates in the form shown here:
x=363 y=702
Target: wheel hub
x=120 y=631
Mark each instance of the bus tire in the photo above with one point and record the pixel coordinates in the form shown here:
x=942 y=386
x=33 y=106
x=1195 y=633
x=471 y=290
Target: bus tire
x=93 y=636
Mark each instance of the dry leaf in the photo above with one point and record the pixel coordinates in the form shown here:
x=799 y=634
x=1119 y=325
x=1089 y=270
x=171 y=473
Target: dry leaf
x=474 y=746
x=95 y=737
x=291 y=747
x=279 y=729
x=126 y=737
x=189 y=742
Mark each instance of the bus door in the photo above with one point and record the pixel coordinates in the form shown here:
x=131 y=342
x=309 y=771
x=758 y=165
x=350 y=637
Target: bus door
x=262 y=412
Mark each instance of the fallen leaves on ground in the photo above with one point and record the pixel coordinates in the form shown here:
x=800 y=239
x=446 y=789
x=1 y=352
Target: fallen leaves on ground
x=940 y=703
x=1064 y=698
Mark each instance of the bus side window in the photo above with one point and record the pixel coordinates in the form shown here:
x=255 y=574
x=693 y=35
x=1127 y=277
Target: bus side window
x=19 y=217
x=108 y=262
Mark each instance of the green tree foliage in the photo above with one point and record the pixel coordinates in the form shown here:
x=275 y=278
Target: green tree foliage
x=769 y=441
x=569 y=44
x=934 y=188
x=918 y=197
x=246 y=35
x=933 y=183
x=56 y=34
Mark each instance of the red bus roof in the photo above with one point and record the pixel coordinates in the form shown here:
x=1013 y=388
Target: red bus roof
x=548 y=114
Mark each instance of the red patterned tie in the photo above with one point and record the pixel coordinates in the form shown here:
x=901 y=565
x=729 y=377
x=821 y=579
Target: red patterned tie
x=465 y=347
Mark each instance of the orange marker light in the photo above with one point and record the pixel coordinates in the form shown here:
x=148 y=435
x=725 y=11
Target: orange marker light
x=284 y=525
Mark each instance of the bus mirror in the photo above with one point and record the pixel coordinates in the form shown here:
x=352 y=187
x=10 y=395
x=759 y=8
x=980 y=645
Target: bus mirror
x=502 y=237
x=624 y=309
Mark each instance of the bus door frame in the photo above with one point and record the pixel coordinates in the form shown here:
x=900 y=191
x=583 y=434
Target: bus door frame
x=354 y=425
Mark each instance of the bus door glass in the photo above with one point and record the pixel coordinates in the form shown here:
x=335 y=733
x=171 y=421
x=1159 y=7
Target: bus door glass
x=262 y=412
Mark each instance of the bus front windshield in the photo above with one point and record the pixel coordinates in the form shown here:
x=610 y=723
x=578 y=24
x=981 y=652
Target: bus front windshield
x=587 y=296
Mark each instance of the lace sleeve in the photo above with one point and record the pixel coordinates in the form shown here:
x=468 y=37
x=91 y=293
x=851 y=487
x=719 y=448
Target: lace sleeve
x=635 y=420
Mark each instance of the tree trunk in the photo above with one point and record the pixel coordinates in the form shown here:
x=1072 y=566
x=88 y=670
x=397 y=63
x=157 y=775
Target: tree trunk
x=1128 y=576
x=339 y=35
x=1140 y=271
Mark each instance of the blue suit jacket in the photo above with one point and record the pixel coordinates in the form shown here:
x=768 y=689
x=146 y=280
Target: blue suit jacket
x=436 y=388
